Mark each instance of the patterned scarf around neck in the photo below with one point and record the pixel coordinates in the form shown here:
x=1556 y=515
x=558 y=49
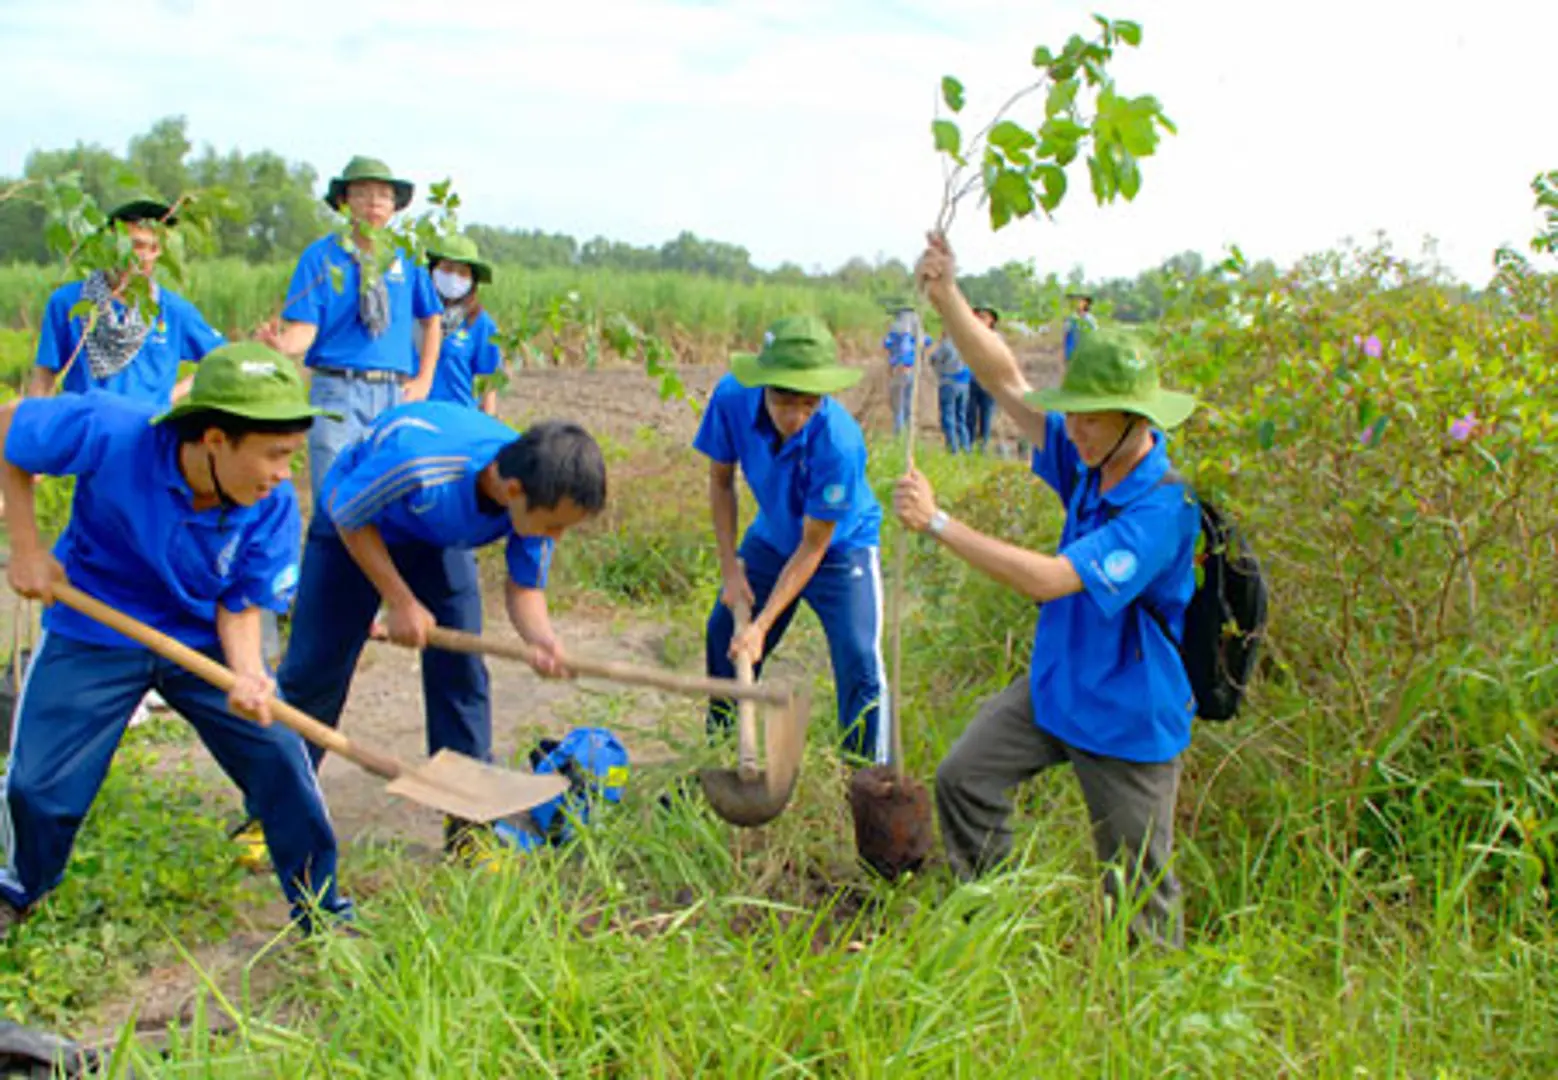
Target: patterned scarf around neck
x=373 y=301
x=456 y=315
x=118 y=331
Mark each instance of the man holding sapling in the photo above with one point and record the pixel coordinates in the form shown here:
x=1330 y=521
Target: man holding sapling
x=1107 y=691
x=816 y=533
x=120 y=348
x=370 y=335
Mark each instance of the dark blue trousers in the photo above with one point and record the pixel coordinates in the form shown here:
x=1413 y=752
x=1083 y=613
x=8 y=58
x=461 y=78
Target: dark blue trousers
x=846 y=595
x=75 y=705
x=981 y=414
x=335 y=607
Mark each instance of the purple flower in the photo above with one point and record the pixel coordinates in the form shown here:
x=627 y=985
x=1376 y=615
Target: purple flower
x=1464 y=428
x=1372 y=347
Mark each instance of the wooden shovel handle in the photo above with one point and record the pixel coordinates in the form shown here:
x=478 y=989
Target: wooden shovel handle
x=441 y=637
x=201 y=665
x=746 y=710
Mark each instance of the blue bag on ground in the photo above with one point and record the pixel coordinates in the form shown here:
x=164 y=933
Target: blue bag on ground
x=595 y=764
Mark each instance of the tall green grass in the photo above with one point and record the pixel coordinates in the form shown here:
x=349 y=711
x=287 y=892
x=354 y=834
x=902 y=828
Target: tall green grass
x=668 y=945
x=692 y=313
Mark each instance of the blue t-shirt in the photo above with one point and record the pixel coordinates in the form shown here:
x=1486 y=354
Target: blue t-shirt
x=343 y=341
x=413 y=475
x=1075 y=325
x=135 y=540
x=467 y=352
x=819 y=473
x=949 y=365
x=902 y=347
x=179 y=333
x=1105 y=678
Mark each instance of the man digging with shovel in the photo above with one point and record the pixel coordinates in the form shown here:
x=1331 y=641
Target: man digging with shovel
x=816 y=532
x=1107 y=692
x=187 y=521
x=399 y=517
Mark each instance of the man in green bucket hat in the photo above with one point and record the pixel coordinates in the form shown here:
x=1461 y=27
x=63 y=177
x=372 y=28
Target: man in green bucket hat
x=1107 y=692
x=186 y=521
x=370 y=334
x=470 y=354
x=816 y=534
x=121 y=348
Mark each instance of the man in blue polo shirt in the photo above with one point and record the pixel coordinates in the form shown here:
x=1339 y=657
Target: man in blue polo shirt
x=188 y=522
x=400 y=515
x=816 y=533
x=1078 y=323
x=126 y=351
x=902 y=345
x=1107 y=692
x=371 y=340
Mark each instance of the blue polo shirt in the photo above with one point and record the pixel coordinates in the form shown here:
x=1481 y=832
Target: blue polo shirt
x=902 y=348
x=343 y=341
x=413 y=475
x=1104 y=677
x=180 y=333
x=467 y=352
x=820 y=473
x=135 y=540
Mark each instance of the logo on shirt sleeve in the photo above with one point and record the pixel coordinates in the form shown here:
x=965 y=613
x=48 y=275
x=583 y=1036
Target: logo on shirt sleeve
x=1120 y=566
x=833 y=494
x=283 y=584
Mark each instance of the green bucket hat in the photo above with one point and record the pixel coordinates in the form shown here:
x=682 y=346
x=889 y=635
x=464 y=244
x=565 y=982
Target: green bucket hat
x=799 y=355
x=143 y=208
x=251 y=380
x=1111 y=370
x=367 y=168
x=461 y=249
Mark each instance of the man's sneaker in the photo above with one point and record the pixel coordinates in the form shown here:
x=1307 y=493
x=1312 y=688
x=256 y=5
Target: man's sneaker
x=253 y=855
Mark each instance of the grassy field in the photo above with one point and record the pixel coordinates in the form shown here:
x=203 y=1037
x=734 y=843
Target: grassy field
x=701 y=317
x=1369 y=852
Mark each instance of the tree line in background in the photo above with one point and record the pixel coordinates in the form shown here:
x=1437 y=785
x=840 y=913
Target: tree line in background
x=276 y=210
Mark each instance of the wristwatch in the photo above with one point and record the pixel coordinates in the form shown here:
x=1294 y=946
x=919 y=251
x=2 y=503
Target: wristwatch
x=938 y=522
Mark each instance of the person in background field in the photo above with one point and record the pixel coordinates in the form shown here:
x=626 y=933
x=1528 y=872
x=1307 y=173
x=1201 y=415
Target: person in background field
x=123 y=353
x=902 y=344
x=1107 y=692
x=953 y=380
x=1077 y=323
x=981 y=406
x=186 y=521
x=372 y=343
x=470 y=348
x=817 y=529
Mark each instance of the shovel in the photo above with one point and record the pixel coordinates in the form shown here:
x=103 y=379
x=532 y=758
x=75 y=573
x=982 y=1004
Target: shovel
x=745 y=796
x=453 y=783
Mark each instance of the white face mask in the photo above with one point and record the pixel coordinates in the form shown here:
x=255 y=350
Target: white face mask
x=450 y=285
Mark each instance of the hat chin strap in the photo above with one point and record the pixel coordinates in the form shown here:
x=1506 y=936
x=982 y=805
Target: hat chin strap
x=1130 y=426
x=221 y=495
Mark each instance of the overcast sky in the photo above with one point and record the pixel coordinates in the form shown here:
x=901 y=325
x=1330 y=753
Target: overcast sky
x=799 y=128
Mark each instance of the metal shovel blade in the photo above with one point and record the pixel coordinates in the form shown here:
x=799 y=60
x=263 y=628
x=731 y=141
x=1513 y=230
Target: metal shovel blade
x=756 y=801
x=466 y=788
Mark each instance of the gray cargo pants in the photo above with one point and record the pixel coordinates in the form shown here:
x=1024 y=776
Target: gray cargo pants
x=1131 y=805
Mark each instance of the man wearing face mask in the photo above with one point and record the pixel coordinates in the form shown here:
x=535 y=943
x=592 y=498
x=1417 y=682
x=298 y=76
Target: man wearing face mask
x=371 y=338
x=470 y=350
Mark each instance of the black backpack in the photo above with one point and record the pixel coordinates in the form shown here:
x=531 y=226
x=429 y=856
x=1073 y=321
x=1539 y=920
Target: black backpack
x=1226 y=618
